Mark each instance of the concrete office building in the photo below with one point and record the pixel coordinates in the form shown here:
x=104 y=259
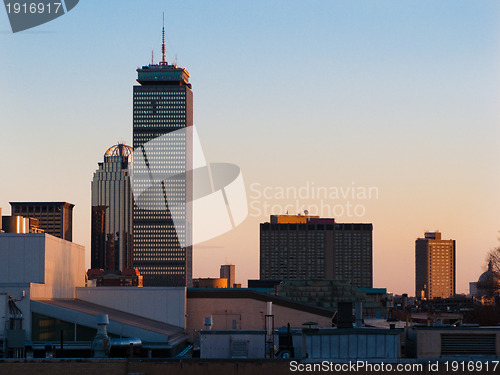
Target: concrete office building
x=434 y=267
x=111 y=246
x=228 y=271
x=55 y=218
x=163 y=104
x=309 y=247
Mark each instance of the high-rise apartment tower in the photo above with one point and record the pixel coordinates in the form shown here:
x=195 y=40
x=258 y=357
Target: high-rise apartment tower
x=310 y=247
x=434 y=267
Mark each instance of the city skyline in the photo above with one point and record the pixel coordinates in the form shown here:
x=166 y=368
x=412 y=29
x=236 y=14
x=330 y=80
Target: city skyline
x=398 y=97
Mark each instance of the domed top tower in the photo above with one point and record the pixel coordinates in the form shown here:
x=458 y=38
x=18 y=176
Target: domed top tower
x=112 y=206
x=488 y=283
x=120 y=149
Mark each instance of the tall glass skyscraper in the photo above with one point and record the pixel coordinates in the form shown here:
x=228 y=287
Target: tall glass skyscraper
x=163 y=108
x=111 y=247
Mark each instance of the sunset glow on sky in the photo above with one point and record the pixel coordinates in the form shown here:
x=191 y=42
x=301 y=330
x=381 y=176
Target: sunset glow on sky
x=382 y=112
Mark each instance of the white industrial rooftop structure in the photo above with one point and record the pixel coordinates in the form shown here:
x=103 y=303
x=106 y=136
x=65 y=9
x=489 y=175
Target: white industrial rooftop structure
x=43 y=275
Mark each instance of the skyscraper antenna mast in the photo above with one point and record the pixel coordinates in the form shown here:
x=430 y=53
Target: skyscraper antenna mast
x=163 y=41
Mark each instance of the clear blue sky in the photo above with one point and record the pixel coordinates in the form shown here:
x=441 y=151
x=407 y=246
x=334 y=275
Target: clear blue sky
x=399 y=95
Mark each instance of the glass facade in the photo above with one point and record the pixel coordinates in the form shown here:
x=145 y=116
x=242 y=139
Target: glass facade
x=163 y=104
x=47 y=328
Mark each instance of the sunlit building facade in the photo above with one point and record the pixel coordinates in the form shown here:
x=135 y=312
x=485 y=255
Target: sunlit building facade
x=163 y=104
x=111 y=247
x=434 y=267
x=19 y=224
x=228 y=271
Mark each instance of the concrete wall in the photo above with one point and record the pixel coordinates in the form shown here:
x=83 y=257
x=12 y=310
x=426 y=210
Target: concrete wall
x=218 y=344
x=16 y=291
x=428 y=344
x=4 y=313
x=428 y=341
x=64 y=269
x=54 y=267
x=166 y=304
x=248 y=313
x=22 y=258
x=38 y=266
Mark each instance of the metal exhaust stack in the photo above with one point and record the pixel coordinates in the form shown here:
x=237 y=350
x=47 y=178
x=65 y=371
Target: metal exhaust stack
x=359 y=314
x=101 y=344
x=269 y=331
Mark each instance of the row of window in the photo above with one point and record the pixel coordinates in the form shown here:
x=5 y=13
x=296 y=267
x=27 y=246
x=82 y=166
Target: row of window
x=157 y=92
x=158 y=268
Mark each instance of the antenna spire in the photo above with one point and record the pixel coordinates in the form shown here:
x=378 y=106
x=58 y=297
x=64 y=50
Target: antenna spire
x=152 y=57
x=163 y=41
